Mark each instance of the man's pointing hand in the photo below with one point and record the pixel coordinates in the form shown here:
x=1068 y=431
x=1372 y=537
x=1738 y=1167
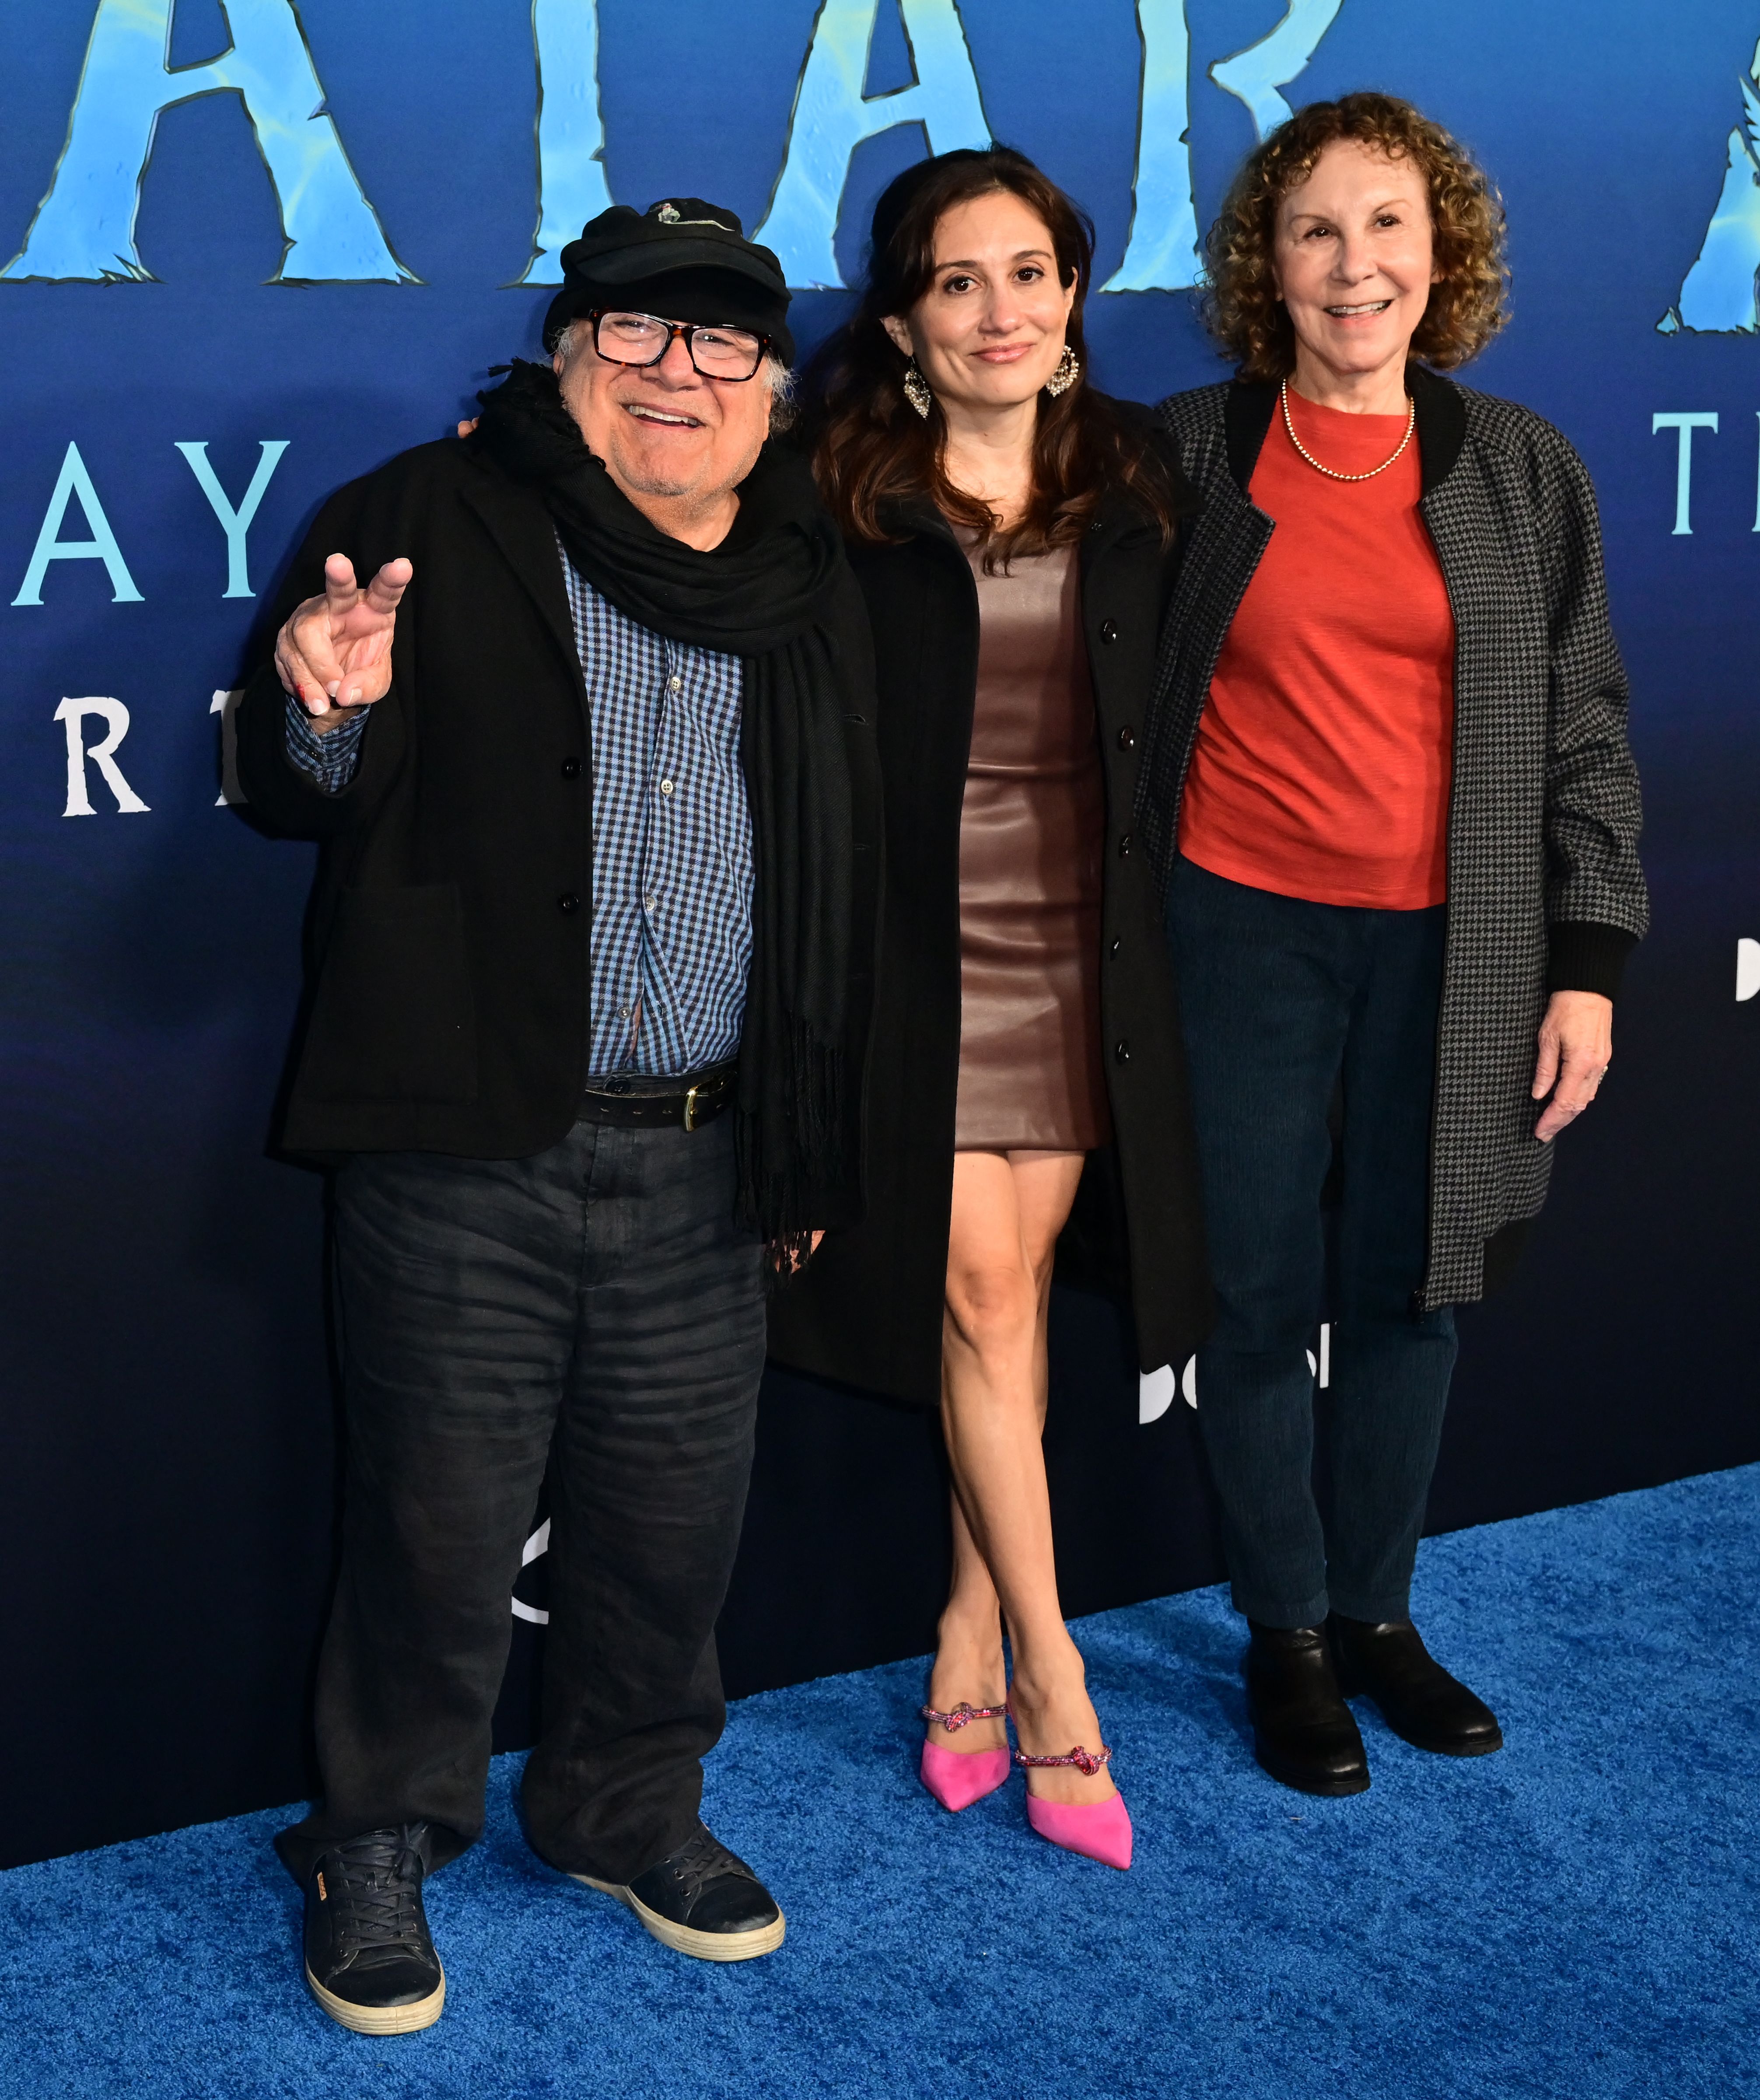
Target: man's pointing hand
x=334 y=654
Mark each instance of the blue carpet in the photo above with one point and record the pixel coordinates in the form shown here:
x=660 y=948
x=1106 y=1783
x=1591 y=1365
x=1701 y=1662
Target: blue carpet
x=1576 y=1917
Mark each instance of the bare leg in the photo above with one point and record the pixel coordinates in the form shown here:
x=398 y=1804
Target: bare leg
x=968 y=1664
x=1007 y=1211
x=968 y=1657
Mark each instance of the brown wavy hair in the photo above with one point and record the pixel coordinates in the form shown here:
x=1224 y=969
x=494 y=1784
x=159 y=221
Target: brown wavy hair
x=871 y=450
x=1469 y=301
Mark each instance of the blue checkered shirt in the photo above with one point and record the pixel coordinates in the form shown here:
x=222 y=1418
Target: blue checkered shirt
x=330 y=758
x=671 y=839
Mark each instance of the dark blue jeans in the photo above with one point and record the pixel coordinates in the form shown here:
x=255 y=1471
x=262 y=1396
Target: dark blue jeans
x=594 y=1309
x=1282 y=1000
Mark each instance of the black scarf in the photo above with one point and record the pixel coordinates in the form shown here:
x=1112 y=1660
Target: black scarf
x=778 y=595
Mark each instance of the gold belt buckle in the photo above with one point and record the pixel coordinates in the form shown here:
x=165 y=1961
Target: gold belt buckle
x=690 y=1109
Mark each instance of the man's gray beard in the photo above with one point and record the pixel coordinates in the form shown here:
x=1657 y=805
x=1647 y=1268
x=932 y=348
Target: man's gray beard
x=636 y=483
x=666 y=489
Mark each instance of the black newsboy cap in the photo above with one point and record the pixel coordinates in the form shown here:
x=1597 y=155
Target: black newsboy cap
x=680 y=258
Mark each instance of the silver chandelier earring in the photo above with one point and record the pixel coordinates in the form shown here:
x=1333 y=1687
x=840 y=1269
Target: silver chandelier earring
x=917 y=389
x=1069 y=370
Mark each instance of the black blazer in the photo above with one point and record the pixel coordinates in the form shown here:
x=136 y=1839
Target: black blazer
x=448 y=940
x=868 y=1309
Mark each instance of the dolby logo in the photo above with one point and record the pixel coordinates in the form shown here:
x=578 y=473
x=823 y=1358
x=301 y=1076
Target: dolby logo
x=1156 y=1391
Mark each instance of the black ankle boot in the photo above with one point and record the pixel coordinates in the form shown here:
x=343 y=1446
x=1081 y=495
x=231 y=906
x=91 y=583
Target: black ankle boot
x=369 y=1958
x=1303 y=1734
x=1418 y=1698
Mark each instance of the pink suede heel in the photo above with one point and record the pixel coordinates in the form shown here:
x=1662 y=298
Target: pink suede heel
x=957 y=1778
x=1097 y=1829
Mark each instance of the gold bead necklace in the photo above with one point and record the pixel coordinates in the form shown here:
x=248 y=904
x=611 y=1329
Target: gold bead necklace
x=1332 y=473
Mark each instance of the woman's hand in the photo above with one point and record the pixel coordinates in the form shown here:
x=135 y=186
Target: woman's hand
x=796 y=1261
x=1576 y=1048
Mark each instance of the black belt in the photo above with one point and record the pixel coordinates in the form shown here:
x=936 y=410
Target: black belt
x=639 y=1101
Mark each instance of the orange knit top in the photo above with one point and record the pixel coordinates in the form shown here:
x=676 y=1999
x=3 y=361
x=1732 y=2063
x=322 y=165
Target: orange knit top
x=1321 y=767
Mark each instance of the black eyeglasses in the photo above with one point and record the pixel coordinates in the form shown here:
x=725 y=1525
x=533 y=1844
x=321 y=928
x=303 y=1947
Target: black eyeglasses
x=717 y=353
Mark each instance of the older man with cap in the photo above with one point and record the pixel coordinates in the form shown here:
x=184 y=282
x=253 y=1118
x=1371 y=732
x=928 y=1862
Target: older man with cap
x=590 y=759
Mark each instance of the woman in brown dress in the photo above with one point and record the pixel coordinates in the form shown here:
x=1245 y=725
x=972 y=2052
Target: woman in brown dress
x=1013 y=532
x=1030 y=839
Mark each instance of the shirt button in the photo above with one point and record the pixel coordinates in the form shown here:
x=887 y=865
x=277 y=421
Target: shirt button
x=622 y=1013
x=1124 y=847
x=649 y=902
x=568 y=901
x=1121 y=1053
x=1109 y=631
x=666 y=786
x=571 y=769
x=1116 y=946
x=675 y=685
x=1127 y=739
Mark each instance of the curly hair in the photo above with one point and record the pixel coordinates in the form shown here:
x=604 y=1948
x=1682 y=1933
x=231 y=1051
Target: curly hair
x=1468 y=302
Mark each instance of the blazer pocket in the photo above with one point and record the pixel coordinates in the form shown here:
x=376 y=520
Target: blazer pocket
x=394 y=1017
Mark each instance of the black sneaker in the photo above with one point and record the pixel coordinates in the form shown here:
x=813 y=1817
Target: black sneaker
x=369 y=1958
x=702 y=1900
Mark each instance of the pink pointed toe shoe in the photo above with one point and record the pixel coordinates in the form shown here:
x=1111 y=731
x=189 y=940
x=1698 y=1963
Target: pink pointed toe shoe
x=1097 y=1829
x=957 y=1778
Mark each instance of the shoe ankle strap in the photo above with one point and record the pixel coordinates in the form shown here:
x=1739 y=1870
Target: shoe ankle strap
x=1084 y=1761
x=953 y=1722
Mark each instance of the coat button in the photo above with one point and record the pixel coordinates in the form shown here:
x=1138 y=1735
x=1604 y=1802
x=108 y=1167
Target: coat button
x=1121 y=1053
x=1127 y=739
x=568 y=901
x=571 y=769
x=1124 y=847
x=1109 y=631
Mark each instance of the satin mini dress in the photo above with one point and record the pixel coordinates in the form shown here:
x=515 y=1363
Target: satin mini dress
x=1031 y=834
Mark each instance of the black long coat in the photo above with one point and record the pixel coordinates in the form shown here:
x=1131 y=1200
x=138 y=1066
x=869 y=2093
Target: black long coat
x=868 y=1309
x=448 y=950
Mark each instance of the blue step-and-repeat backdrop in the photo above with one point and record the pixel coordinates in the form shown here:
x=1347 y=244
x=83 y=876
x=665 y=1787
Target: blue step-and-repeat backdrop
x=256 y=248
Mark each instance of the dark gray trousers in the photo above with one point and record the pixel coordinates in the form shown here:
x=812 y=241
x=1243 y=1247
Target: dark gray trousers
x=593 y=1308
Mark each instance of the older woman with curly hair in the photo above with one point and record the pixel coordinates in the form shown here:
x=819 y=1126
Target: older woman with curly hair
x=1387 y=788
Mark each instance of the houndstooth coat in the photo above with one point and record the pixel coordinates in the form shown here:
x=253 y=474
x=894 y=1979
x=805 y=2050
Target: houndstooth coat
x=1545 y=889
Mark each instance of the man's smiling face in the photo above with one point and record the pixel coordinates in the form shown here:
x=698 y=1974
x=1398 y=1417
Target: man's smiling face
x=664 y=430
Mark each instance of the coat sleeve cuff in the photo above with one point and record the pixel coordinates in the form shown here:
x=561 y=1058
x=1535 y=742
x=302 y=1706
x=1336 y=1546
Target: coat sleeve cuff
x=1583 y=955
